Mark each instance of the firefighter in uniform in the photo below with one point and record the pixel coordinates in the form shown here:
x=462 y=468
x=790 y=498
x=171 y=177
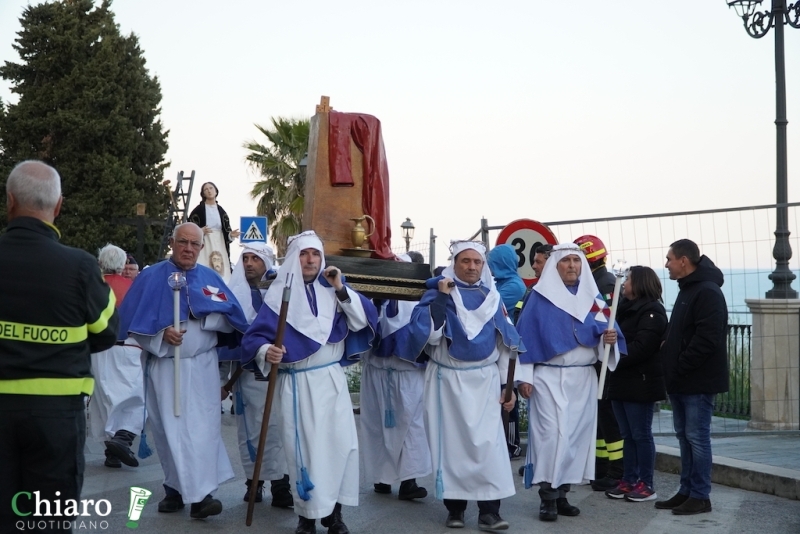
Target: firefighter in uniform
x=608 y=461
x=48 y=326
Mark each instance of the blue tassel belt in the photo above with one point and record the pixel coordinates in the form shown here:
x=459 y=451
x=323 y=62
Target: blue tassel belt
x=303 y=480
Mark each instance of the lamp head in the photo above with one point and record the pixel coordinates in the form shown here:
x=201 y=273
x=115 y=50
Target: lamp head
x=408 y=229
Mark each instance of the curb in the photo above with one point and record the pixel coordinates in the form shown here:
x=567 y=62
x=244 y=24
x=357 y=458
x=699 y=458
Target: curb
x=741 y=474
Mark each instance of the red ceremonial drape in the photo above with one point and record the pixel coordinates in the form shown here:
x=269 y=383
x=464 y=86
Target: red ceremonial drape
x=365 y=130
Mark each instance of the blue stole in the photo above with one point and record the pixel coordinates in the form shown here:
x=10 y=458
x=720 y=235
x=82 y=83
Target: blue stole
x=226 y=354
x=398 y=343
x=459 y=347
x=549 y=331
x=148 y=306
x=299 y=347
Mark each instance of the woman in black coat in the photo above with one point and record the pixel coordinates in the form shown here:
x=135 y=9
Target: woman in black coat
x=638 y=382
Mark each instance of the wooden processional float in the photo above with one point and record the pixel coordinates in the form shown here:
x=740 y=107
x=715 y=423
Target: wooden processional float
x=347 y=205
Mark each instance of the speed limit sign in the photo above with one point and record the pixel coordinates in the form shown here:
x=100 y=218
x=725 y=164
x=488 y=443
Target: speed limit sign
x=525 y=235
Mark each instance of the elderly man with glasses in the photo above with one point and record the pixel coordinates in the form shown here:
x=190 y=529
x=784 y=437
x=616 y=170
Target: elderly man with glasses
x=210 y=315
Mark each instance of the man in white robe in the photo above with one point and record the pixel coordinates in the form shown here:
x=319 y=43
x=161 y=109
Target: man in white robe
x=461 y=324
x=116 y=409
x=394 y=444
x=189 y=445
x=563 y=325
x=249 y=394
x=327 y=324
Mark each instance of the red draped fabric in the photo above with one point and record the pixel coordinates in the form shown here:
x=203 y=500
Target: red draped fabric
x=365 y=131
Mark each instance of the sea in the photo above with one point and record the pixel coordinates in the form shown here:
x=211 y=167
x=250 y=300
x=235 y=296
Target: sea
x=740 y=284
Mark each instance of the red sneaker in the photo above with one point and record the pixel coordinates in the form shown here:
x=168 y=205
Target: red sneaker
x=641 y=492
x=622 y=489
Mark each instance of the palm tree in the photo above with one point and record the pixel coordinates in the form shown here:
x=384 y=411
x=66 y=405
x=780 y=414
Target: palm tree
x=280 y=191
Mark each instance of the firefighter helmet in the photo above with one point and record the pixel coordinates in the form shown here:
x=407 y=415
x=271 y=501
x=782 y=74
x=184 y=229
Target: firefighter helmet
x=592 y=247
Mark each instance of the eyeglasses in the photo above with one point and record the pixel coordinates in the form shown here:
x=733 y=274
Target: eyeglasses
x=185 y=243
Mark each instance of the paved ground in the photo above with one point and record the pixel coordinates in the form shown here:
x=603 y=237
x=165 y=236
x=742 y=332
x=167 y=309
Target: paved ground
x=735 y=510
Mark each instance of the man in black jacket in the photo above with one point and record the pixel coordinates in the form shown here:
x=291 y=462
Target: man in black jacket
x=695 y=360
x=48 y=327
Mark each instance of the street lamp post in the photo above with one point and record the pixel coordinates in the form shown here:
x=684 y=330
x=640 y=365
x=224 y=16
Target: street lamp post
x=757 y=24
x=408 y=232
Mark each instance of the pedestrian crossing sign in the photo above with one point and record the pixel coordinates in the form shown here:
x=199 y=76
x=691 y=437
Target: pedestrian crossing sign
x=254 y=230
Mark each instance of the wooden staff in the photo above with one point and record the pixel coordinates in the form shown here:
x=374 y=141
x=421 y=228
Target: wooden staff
x=620 y=274
x=229 y=384
x=273 y=378
x=512 y=365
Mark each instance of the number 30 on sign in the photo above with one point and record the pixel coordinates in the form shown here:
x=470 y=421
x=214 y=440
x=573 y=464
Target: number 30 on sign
x=525 y=235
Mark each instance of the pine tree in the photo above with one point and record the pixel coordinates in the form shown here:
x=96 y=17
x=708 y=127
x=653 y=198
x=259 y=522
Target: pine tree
x=88 y=107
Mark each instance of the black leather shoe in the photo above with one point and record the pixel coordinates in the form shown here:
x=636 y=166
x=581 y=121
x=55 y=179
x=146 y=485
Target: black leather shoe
x=206 y=507
x=383 y=489
x=118 y=448
x=306 y=526
x=409 y=490
x=455 y=520
x=565 y=508
x=492 y=522
x=334 y=522
x=259 y=490
x=693 y=506
x=673 y=502
x=170 y=503
x=112 y=461
x=548 y=510
x=281 y=493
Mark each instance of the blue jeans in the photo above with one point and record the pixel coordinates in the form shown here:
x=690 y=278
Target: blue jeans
x=635 y=420
x=691 y=416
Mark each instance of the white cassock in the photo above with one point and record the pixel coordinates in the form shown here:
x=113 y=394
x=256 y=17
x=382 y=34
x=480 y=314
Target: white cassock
x=392 y=455
x=463 y=421
x=324 y=429
x=190 y=446
x=118 y=399
x=562 y=418
x=254 y=399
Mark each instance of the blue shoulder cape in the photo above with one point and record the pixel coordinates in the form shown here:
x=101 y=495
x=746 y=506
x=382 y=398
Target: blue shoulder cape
x=299 y=347
x=548 y=331
x=399 y=342
x=148 y=307
x=459 y=347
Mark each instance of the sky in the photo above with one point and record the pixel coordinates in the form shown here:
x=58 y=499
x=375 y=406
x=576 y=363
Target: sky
x=533 y=109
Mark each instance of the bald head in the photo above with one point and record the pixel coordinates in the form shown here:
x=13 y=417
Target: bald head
x=33 y=189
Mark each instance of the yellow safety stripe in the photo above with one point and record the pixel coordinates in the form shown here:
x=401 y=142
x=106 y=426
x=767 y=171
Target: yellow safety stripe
x=615 y=455
x=49 y=335
x=594 y=254
x=102 y=322
x=615 y=446
x=47 y=386
x=601 y=453
x=600 y=443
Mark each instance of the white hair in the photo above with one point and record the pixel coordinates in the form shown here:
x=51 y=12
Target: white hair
x=35 y=185
x=178 y=227
x=111 y=259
